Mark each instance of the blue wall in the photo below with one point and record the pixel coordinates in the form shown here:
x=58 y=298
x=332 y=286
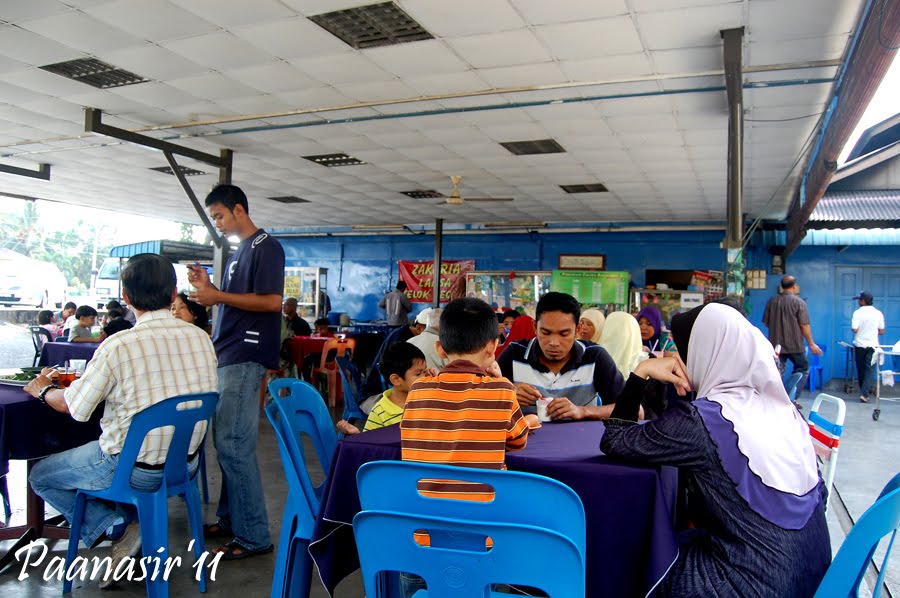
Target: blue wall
x=369 y=266
x=362 y=268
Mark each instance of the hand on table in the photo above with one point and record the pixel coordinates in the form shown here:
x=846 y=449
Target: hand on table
x=563 y=408
x=526 y=394
x=666 y=369
x=40 y=382
x=347 y=428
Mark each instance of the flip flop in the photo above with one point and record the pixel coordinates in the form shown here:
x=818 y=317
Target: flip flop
x=217 y=530
x=234 y=551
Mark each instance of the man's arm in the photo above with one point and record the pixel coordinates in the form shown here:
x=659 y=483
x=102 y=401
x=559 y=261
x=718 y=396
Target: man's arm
x=55 y=398
x=807 y=334
x=246 y=301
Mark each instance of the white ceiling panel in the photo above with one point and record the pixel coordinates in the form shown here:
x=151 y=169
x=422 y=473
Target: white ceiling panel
x=661 y=154
x=292 y=38
x=463 y=17
x=158 y=20
x=30 y=48
x=604 y=37
x=233 y=14
x=689 y=28
x=508 y=48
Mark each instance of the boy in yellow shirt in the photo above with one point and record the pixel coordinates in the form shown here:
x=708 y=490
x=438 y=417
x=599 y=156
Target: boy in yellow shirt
x=401 y=365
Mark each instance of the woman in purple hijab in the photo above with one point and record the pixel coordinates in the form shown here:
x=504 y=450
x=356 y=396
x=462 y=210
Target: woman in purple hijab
x=654 y=339
x=756 y=499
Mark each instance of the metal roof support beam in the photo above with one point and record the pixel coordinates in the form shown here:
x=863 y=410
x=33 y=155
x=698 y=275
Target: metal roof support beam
x=176 y=170
x=438 y=249
x=871 y=53
x=42 y=173
x=220 y=252
x=734 y=222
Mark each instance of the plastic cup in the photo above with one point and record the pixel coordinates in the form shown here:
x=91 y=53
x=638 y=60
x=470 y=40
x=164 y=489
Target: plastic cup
x=66 y=377
x=542 y=405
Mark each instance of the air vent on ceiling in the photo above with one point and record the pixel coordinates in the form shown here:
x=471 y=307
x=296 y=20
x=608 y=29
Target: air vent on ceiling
x=373 y=25
x=94 y=72
x=589 y=188
x=423 y=194
x=289 y=199
x=184 y=170
x=332 y=160
x=538 y=146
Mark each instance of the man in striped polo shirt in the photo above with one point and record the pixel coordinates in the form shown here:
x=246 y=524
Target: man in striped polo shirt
x=466 y=415
x=582 y=378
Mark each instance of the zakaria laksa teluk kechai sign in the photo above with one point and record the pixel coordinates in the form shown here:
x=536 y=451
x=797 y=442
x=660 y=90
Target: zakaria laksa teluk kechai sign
x=419 y=279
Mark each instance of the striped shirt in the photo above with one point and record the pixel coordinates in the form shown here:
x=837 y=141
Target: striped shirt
x=784 y=315
x=589 y=376
x=161 y=357
x=462 y=417
x=385 y=413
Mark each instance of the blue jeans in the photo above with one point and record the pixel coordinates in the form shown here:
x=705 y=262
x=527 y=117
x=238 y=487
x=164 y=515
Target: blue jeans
x=58 y=478
x=242 y=504
x=865 y=369
x=801 y=366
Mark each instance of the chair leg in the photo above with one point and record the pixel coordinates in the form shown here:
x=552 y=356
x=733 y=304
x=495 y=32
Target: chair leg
x=74 y=537
x=4 y=493
x=201 y=472
x=280 y=579
x=195 y=517
x=153 y=515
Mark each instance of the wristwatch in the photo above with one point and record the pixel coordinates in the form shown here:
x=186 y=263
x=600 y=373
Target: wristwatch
x=42 y=396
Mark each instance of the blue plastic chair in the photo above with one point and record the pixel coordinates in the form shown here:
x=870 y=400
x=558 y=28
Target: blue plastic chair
x=466 y=568
x=848 y=568
x=815 y=368
x=152 y=507
x=306 y=413
x=392 y=486
x=351 y=383
x=791 y=385
x=293 y=566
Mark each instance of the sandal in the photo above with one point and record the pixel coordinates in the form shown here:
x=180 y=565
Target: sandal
x=217 y=530
x=234 y=551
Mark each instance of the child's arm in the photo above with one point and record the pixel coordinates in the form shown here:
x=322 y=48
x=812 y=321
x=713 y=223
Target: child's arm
x=517 y=431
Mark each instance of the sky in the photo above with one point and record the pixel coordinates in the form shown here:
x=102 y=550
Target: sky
x=883 y=105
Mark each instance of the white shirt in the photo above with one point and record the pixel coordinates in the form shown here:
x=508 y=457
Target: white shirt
x=867 y=321
x=425 y=343
x=161 y=357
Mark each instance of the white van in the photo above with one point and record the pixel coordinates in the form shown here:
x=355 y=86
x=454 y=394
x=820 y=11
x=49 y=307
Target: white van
x=106 y=283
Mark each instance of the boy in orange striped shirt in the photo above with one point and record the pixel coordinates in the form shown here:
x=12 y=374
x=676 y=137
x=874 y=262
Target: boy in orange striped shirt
x=468 y=414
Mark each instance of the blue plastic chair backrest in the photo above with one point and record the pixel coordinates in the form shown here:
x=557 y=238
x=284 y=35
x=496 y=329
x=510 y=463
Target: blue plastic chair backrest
x=892 y=485
x=183 y=412
x=791 y=385
x=849 y=566
x=350 y=381
x=815 y=361
x=521 y=554
x=299 y=484
x=392 y=486
x=304 y=412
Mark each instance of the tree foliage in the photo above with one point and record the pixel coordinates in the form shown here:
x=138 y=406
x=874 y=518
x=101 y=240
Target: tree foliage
x=71 y=250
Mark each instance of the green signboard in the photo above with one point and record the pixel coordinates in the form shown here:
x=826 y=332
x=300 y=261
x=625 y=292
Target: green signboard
x=592 y=287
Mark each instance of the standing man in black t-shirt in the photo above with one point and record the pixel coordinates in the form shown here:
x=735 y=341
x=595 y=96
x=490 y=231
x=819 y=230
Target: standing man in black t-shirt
x=247 y=337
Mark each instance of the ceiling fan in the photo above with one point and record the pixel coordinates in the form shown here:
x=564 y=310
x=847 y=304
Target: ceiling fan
x=455 y=199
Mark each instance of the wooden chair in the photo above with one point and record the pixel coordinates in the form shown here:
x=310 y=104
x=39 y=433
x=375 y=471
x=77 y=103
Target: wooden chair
x=326 y=375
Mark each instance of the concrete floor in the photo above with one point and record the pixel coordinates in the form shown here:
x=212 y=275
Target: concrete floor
x=869 y=457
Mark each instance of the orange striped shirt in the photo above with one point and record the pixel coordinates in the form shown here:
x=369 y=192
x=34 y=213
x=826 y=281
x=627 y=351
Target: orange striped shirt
x=462 y=417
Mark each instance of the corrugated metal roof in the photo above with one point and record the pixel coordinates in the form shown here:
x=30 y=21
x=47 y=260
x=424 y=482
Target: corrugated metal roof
x=858 y=206
x=849 y=236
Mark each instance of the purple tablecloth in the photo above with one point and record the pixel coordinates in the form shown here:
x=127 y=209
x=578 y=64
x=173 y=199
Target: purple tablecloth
x=58 y=353
x=629 y=509
x=30 y=429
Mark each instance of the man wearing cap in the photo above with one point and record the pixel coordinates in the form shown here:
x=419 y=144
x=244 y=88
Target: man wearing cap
x=867 y=325
x=787 y=319
x=431 y=317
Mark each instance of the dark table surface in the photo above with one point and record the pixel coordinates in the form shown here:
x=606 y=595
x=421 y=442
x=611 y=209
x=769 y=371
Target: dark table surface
x=58 y=353
x=629 y=509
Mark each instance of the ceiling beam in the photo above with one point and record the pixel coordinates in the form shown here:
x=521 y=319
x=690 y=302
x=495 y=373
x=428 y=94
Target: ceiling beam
x=871 y=53
x=42 y=173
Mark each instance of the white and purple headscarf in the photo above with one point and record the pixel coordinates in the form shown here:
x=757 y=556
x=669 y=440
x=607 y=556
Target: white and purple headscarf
x=763 y=443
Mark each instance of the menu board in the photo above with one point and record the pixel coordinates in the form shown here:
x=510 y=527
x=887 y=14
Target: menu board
x=592 y=287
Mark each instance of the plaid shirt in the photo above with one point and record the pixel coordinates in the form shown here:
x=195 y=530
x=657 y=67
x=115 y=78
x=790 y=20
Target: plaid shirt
x=161 y=357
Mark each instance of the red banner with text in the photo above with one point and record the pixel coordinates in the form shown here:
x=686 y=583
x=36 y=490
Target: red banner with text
x=419 y=278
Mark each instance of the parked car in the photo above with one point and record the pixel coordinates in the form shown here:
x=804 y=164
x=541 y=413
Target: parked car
x=26 y=281
x=106 y=283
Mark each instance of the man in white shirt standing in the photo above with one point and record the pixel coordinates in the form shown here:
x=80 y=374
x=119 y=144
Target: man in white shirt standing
x=867 y=325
